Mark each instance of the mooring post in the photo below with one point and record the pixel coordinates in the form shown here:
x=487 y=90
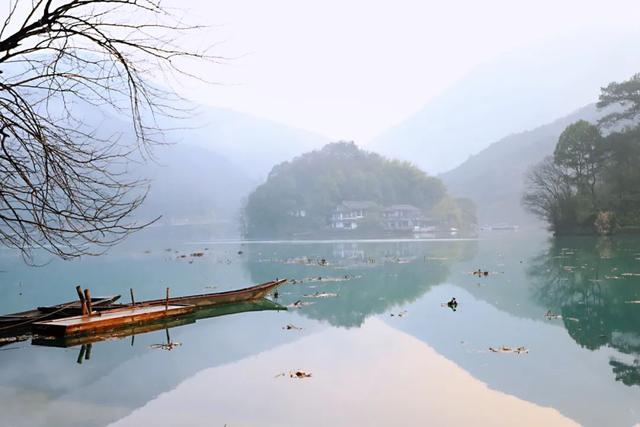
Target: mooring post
x=166 y=301
x=83 y=304
x=87 y=301
x=133 y=300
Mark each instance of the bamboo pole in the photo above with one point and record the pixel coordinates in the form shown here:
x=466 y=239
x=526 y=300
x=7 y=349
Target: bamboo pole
x=83 y=304
x=133 y=300
x=87 y=301
x=166 y=301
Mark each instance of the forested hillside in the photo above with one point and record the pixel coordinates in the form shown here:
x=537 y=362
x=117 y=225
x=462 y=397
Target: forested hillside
x=299 y=196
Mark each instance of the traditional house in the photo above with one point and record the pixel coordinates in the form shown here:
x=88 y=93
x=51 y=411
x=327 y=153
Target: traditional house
x=403 y=218
x=349 y=214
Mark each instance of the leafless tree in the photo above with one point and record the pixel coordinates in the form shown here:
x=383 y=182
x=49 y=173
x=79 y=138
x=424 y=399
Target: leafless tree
x=64 y=181
x=548 y=193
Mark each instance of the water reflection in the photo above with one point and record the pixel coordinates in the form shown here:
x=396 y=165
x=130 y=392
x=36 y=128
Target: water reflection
x=366 y=278
x=590 y=284
x=347 y=292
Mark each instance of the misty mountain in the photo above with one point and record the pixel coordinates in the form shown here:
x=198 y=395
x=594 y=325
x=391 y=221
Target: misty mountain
x=210 y=163
x=191 y=184
x=494 y=178
x=521 y=90
x=254 y=144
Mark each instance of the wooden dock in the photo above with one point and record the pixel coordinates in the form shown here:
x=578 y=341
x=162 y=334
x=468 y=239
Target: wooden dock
x=106 y=320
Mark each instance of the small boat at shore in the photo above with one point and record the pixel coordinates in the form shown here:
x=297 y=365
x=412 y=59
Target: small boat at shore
x=105 y=308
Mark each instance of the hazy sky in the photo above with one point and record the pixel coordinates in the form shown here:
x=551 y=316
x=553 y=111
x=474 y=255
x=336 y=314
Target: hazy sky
x=350 y=69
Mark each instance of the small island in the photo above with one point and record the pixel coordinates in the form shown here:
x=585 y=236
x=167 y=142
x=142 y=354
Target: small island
x=343 y=191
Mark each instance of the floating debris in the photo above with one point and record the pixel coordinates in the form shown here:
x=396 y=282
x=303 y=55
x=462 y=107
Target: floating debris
x=321 y=295
x=401 y=314
x=480 y=273
x=166 y=346
x=630 y=274
x=505 y=349
x=326 y=279
x=291 y=327
x=240 y=252
x=452 y=304
x=18 y=338
x=294 y=374
x=299 y=304
x=632 y=302
x=197 y=254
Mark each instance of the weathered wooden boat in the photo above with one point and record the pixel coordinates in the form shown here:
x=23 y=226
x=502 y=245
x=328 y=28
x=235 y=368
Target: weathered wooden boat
x=167 y=323
x=215 y=298
x=104 y=314
x=17 y=323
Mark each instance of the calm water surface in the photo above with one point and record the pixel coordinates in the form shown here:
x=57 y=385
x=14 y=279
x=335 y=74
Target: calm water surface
x=371 y=329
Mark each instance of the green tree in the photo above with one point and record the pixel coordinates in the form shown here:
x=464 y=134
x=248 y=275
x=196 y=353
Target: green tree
x=621 y=177
x=626 y=95
x=581 y=151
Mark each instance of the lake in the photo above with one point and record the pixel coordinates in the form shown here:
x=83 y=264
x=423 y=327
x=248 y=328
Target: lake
x=369 y=324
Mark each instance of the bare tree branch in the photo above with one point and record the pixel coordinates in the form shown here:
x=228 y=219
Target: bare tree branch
x=65 y=184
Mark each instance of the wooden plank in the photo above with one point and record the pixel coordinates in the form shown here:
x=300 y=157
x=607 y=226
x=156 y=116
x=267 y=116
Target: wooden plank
x=110 y=319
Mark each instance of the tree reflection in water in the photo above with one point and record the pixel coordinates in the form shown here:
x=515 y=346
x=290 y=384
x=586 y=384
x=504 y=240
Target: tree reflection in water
x=594 y=285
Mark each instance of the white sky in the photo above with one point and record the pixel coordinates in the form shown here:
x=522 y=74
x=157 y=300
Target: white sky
x=350 y=69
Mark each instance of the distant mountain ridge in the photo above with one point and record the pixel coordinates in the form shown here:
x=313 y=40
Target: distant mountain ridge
x=494 y=178
x=521 y=90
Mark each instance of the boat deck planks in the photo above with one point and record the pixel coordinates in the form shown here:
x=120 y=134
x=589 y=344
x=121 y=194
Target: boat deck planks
x=111 y=319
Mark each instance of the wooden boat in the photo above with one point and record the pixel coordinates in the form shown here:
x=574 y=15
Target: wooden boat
x=227 y=297
x=16 y=323
x=121 y=314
